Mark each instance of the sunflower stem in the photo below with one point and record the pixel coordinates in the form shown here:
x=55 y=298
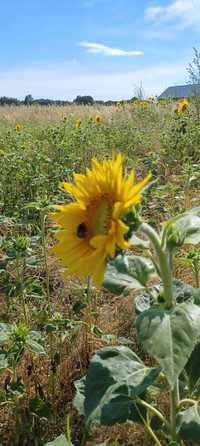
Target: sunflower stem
x=163 y=259
x=89 y=300
x=173 y=409
x=165 y=266
x=43 y=235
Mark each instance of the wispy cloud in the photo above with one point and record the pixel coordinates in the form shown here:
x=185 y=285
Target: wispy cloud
x=182 y=12
x=98 y=48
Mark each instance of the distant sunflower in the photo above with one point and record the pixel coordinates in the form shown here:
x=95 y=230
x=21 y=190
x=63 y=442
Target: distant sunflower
x=78 y=123
x=18 y=127
x=92 y=226
x=183 y=106
x=98 y=119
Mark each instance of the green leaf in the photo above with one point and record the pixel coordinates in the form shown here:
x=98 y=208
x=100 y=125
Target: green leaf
x=170 y=336
x=139 y=243
x=32 y=262
x=17 y=387
x=193 y=366
x=122 y=408
x=183 y=230
x=3 y=396
x=3 y=262
x=39 y=407
x=109 y=338
x=125 y=273
x=147 y=300
x=59 y=441
x=34 y=343
x=80 y=395
x=3 y=362
x=183 y=292
x=115 y=372
x=118 y=409
x=101 y=444
x=153 y=297
x=188 y=423
x=5 y=330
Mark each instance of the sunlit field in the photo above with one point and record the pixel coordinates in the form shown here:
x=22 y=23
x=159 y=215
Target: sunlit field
x=51 y=324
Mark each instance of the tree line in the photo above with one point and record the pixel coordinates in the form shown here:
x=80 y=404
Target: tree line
x=80 y=100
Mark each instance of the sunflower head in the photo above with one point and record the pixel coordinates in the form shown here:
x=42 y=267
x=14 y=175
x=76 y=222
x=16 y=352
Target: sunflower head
x=18 y=127
x=118 y=105
x=98 y=119
x=78 y=123
x=92 y=227
x=183 y=106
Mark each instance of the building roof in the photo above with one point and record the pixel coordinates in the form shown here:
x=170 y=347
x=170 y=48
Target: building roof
x=178 y=91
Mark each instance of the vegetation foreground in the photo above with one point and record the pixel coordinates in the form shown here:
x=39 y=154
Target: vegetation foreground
x=136 y=335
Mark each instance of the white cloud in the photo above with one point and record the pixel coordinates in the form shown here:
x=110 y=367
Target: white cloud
x=183 y=12
x=59 y=82
x=153 y=12
x=98 y=48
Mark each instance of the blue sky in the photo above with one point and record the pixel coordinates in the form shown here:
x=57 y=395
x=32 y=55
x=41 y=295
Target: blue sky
x=105 y=48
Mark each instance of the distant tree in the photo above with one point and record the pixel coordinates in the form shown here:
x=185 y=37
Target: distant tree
x=28 y=99
x=193 y=70
x=4 y=100
x=133 y=99
x=84 y=100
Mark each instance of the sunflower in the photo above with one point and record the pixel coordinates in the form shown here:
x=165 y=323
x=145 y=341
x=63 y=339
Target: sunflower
x=92 y=226
x=183 y=106
x=98 y=119
x=78 y=123
x=118 y=105
x=18 y=127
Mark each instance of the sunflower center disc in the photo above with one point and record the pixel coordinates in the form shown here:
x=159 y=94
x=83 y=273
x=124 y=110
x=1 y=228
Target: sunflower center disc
x=101 y=219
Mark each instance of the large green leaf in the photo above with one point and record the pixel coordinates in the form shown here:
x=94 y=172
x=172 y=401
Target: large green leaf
x=59 y=441
x=115 y=372
x=170 y=336
x=125 y=273
x=188 y=423
x=117 y=409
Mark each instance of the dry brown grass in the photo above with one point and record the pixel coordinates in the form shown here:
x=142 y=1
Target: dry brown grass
x=53 y=113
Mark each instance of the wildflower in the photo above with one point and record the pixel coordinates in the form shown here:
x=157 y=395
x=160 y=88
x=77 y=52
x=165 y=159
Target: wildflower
x=78 y=123
x=18 y=127
x=98 y=119
x=183 y=106
x=92 y=227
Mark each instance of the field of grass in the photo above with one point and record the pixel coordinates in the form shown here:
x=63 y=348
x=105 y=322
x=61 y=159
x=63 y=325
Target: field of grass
x=55 y=324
